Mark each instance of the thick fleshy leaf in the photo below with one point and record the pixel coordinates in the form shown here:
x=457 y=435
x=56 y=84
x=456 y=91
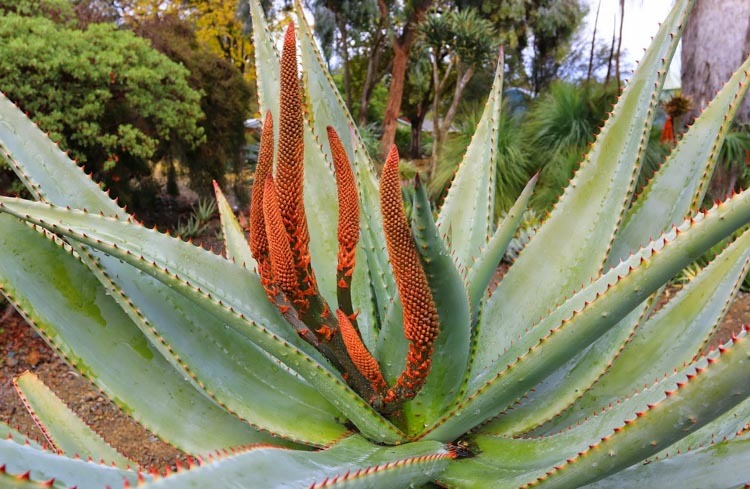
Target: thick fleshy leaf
x=79 y=318
x=682 y=410
x=221 y=361
x=237 y=247
x=466 y=218
x=17 y=460
x=572 y=245
x=672 y=337
x=353 y=463
x=482 y=270
x=722 y=465
x=561 y=389
x=590 y=313
x=184 y=333
x=266 y=63
x=322 y=213
x=735 y=423
x=143 y=249
x=451 y=349
x=666 y=201
x=681 y=182
x=46 y=171
x=67 y=432
x=627 y=434
x=8 y=433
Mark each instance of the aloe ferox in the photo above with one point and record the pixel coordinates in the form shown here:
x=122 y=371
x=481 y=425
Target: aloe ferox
x=353 y=340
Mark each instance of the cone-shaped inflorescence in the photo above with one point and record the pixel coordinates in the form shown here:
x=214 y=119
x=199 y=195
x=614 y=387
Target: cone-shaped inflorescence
x=279 y=241
x=289 y=177
x=348 y=222
x=421 y=322
x=258 y=240
x=282 y=263
x=359 y=353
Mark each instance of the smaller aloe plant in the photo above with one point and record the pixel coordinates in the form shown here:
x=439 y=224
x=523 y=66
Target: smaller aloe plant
x=377 y=339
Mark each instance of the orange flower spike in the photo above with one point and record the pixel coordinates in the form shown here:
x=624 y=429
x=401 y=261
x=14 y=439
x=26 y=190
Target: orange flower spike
x=290 y=154
x=420 y=314
x=421 y=324
x=348 y=223
x=359 y=354
x=278 y=243
x=258 y=240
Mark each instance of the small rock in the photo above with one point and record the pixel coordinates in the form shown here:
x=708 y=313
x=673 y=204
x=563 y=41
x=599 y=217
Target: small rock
x=33 y=358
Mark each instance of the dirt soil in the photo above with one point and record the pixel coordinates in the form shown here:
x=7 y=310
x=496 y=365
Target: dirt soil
x=22 y=349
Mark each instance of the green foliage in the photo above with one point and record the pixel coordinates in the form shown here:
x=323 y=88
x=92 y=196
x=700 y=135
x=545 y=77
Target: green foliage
x=225 y=99
x=198 y=221
x=462 y=33
x=104 y=94
x=558 y=129
x=544 y=26
x=540 y=382
x=60 y=11
x=513 y=165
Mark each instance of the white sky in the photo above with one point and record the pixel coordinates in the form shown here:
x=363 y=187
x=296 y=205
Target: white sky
x=642 y=18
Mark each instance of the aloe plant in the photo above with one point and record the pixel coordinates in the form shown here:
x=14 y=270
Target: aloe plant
x=354 y=340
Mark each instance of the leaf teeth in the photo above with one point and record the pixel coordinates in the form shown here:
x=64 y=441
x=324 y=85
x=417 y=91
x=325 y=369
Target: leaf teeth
x=351 y=476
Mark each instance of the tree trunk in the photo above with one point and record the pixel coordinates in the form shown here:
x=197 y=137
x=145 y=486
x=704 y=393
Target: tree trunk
x=619 y=47
x=345 y=59
x=415 y=149
x=593 y=42
x=715 y=43
x=611 y=55
x=401 y=47
x=371 y=78
x=457 y=95
x=441 y=129
x=395 y=93
x=436 y=143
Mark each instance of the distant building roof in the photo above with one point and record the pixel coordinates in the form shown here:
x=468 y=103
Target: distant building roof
x=254 y=124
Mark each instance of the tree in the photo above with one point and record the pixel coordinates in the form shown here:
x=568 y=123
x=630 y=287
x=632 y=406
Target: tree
x=545 y=26
x=413 y=13
x=226 y=98
x=218 y=26
x=60 y=11
x=356 y=33
x=460 y=42
x=419 y=93
x=705 y=69
x=104 y=94
x=554 y=23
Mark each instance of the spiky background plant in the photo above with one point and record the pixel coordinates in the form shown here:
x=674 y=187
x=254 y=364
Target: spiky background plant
x=307 y=360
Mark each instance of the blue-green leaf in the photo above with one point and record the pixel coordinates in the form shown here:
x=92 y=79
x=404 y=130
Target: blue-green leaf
x=572 y=245
x=67 y=432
